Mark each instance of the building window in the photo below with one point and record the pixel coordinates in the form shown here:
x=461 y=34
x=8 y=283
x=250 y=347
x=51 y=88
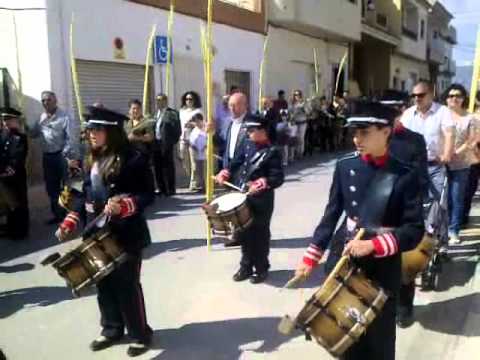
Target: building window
x=422 y=29
x=251 y=5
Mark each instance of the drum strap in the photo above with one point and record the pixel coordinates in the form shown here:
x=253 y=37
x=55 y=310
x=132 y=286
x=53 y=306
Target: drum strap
x=258 y=160
x=376 y=199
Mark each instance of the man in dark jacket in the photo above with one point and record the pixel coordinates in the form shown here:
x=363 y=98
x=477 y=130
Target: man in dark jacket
x=167 y=134
x=380 y=194
x=13 y=174
x=259 y=169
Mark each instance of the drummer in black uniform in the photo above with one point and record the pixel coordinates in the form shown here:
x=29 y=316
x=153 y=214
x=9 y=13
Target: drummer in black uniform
x=379 y=193
x=259 y=171
x=110 y=188
x=13 y=174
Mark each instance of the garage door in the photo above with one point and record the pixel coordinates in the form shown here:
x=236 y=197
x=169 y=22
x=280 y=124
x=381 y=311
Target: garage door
x=112 y=84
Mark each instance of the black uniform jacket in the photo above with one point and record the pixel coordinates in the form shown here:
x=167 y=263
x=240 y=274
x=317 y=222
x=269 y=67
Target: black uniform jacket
x=409 y=147
x=134 y=179
x=351 y=183
x=254 y=162
x=13 y=153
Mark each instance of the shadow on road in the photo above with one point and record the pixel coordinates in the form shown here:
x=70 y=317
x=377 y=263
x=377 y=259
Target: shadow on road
x=218 y=340
x=449 y=316
x=157 y=248
x=278 y=278
x=16 y=268
x=456 y=273
x=16 y=300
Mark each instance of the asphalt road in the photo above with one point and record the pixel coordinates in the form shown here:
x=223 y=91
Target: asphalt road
x=197 y=311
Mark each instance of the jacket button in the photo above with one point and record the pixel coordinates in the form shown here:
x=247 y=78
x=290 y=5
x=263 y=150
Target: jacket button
x=353 y=188
x=354 y=203
x=352 y=172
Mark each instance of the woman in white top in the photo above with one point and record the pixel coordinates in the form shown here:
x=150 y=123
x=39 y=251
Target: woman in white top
x=458 y=168
x=190 y=105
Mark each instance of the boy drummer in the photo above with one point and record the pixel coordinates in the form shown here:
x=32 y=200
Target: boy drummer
x=259 y=169
x=379 y=193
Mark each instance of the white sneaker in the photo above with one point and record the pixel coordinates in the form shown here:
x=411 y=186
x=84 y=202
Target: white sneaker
x=454 y=239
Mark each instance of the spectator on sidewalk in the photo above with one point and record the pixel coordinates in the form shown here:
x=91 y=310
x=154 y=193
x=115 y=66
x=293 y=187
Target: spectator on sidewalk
x=474 y=173
x=190 y=104
x=60 y=135
x=198 y=145
x=280 y=102
x=299 y=118
x=167 y=133
x=139 y=133
x=458 y=168
x=435 y=123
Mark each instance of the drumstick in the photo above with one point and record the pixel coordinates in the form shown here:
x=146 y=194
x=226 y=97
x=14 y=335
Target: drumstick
x=230 y=185
x=301 y=278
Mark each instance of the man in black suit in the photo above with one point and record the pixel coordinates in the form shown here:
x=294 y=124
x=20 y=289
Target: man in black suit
x=167 y=133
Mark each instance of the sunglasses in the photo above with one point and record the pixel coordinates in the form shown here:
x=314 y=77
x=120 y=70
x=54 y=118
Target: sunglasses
x=458 y=96
x=419 y=95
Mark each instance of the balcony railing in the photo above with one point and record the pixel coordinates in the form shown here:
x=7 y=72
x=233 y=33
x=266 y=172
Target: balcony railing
x=410 y=33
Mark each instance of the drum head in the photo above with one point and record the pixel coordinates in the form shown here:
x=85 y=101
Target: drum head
x=229 y=201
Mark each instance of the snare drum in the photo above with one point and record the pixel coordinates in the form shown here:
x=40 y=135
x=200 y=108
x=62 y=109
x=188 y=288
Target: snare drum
x=91 y=261
x=229 y=212
x=341 y=310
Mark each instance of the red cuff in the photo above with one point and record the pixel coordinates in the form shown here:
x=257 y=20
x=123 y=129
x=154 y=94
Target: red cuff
x=127 y=207
x=385 y=245
x=312 y=255
x=224 y=174
x=70 y=222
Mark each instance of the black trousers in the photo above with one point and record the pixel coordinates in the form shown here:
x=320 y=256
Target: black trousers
x=255 y=240
x=121 y=302
x=405 y=298
x=54 y=172
x=164 y=165
x=378 y=342
x=472 y=185
x=18 y=220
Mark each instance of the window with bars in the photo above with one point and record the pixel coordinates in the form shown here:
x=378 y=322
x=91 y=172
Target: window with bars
x=251 y=5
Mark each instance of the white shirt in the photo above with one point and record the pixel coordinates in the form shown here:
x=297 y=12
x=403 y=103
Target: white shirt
x=438 y=119
x=234 y=131
x=186 y=115
x=198 y=141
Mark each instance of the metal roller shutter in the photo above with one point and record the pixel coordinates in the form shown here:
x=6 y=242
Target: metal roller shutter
x=112 y=84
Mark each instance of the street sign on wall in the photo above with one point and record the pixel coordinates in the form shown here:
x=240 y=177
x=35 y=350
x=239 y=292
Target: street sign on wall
x=161 y=50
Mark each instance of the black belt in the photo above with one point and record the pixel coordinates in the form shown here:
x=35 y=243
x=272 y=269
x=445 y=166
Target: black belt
x=52 y=153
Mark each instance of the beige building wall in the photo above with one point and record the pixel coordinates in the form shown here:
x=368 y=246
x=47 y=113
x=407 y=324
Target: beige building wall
x=290 y=63
x=407 y=71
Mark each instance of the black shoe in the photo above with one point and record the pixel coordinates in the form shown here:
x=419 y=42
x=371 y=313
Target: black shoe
x=258 y=278
x=103 y=342
x=405 y=319
x=242 y=275
x=233 y=242
x=137 y=349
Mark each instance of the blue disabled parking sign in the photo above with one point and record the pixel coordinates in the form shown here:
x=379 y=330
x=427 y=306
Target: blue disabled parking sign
x=161 y=50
